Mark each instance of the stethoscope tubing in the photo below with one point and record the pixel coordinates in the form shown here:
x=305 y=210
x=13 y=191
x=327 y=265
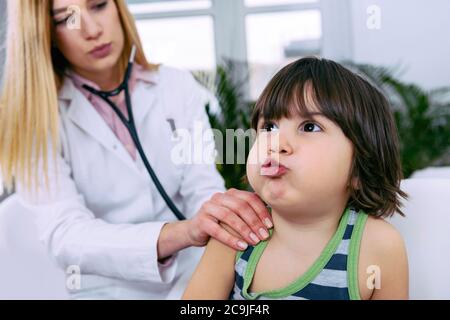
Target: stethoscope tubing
x=131 y=127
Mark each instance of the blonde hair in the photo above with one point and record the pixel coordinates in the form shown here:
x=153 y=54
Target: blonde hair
x=34 y=73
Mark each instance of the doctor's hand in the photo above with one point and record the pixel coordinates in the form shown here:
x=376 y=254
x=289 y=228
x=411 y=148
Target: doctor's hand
x=242 y=211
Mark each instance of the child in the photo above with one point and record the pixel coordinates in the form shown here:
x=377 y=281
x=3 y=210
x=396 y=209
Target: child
x=330 y=179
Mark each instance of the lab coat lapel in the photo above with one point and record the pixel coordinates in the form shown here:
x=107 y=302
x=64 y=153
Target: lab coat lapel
x=83 y=114
x=144 y=99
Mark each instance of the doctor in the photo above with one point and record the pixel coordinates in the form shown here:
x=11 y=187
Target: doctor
x=97 y=211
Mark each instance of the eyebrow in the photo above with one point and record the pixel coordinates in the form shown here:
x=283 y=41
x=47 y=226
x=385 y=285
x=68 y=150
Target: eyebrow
x=311 y=114
x=316 y=114
x=57 y=11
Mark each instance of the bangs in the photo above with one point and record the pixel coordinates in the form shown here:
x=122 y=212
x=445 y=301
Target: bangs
x=299 y=89
x=298 y=100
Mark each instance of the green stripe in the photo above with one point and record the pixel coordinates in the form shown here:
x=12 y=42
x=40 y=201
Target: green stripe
x=306 y=278
x=353 y=256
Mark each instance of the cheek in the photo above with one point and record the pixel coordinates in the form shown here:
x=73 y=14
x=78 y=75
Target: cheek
x=253 y=168
x=69 y=43
x=332 y=165
x=111 y=21
x=343 y=161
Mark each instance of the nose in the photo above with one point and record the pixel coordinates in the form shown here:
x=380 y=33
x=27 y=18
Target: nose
x=279 y=143
x=90 y=27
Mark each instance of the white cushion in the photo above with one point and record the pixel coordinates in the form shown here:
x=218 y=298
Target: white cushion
x=26 y=271
x=432 y=173
x=426 y=231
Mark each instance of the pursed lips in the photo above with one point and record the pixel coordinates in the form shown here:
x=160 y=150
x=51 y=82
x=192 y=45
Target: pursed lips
x=99 y=47
x=273 y=169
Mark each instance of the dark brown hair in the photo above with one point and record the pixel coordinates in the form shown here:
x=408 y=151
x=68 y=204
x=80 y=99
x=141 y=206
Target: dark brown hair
x=359 y=109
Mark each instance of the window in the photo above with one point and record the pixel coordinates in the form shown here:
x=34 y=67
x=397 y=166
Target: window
x=179 y=33
x=256 y=3
x=140 y=7
x=277 y=38
x=186 y=42
x=266 y=34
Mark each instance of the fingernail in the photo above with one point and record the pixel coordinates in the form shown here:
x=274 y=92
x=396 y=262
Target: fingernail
x=263 y=233
x=242 y=245
x=268 y=223
x=254 y=237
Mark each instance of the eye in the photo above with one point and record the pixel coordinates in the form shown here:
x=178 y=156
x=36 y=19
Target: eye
x=269 y=127
x=59 y=22
x=100 y=6
x=310 y=127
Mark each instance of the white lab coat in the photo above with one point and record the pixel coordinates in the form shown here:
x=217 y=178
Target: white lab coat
x=103 y=214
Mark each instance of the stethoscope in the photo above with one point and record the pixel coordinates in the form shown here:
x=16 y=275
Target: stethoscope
x=131 y=127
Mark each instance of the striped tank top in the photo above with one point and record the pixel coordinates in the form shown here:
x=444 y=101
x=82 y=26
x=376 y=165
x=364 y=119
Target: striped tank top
x=333 y=276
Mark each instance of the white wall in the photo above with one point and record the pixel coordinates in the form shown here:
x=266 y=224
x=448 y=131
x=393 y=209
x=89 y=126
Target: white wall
x=415 y=33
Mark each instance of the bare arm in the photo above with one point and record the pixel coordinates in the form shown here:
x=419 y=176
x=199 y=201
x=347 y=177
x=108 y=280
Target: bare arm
x=214 y=277
x=394 y=273
x=388 y=253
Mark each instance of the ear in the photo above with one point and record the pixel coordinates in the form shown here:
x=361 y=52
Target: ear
x=355 y=183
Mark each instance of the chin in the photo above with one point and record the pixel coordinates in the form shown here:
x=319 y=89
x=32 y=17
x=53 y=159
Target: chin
x=103 y=66
x=282 y=205
x=110 y=61
x=273 y=196
x=276 y=187
x=282 y=197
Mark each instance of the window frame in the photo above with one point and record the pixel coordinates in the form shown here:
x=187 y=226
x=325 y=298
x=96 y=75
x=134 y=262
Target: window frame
x=230 y=33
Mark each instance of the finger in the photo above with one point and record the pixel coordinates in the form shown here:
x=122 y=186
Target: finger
x=223 y=236
x=242 y=209
x=223 y=214
x=256 y=203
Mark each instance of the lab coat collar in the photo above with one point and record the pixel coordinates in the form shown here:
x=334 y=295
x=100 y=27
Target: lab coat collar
x=83 y=114
x=67 y=90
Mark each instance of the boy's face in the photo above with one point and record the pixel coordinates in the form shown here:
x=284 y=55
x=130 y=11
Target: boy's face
x=314 y=158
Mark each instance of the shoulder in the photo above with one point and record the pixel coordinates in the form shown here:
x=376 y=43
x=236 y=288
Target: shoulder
x=181 y=84
x=383 y=237
x=169 y=74
x=383 y=256
x=218 y=249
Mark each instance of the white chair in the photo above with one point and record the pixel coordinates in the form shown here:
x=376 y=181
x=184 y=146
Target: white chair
x=432 y=173
x=426 y=231
x=26 y=271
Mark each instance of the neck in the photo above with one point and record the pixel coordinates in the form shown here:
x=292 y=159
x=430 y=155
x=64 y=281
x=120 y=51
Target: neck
x=107 y=80
x=294 y=231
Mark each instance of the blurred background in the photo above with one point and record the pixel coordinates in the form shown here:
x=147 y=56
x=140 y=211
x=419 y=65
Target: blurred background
x=234 y=47
x=198 y=34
